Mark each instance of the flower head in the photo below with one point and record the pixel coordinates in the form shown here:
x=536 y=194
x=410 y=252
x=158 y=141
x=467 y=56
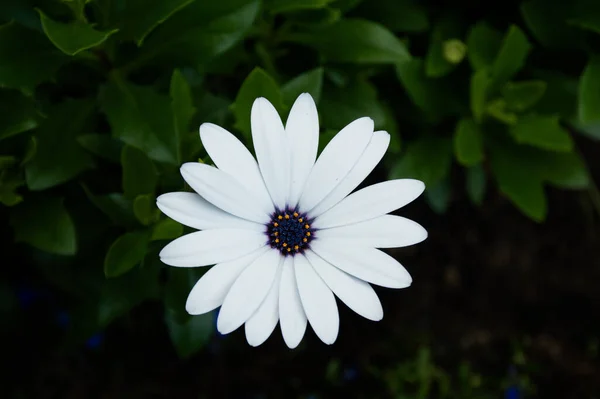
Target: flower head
x=284 y=231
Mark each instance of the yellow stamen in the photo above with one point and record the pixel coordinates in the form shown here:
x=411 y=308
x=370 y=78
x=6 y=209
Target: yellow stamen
x=296 y=247
x=306 y=226
x=279 y=217
x=287 y=216
x=295 y=214
x=308 y=233
x=284 y=244
x=301 y=220
x=277 y=241
x=275 y=224
x=305 y=240
x=289 y=249
x=276 y=234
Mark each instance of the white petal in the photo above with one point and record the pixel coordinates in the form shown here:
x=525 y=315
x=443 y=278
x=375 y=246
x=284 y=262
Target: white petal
x=192 y=210
x=365 y=165
x=291 y=314
x=208 y=247
x=371 y=202
x=302 y=132
x=248 y=291
x=262 y=323
x=317 y=300
x=387 y=231
x=356 y=294
x=223 y=191
x=365 y=263
x=272 y=151
x=232 y=157
x=210 y=291
x=336 y=160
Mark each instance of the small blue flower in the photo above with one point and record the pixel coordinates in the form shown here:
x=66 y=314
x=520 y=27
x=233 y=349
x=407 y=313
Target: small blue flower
x=350 y=374
x=63 y=319
x=27 y=296
x=512 y=392
x=95 y=341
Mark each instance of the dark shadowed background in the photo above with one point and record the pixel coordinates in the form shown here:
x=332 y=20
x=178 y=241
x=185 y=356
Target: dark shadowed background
x=494 y=105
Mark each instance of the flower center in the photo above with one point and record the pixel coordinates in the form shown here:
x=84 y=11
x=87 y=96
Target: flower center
x=290 y=232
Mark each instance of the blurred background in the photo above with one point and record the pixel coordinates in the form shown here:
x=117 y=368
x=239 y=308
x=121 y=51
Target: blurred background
x=494 y=105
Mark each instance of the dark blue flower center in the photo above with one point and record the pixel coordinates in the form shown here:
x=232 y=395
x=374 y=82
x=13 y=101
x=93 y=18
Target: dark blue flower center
x=290 y=232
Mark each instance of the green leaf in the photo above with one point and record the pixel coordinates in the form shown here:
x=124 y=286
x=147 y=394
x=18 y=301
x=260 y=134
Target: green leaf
x=315 y=18
x=118 y=208
x=197 y=33
x=468 y=142
x=483 y=44
x=142 y=118
x=566 y=170
x=191 y=335
x=145 y=210
x=102 y=145
x=73 y=37
x=308 y=82
x=357 y=41
x=21 y=12
x=9 y=184
x=166 y=229
x=443 y=56
x=445 y=51
x=27 y=58
x=586 y=15
x=476 y=184
x=181 y=103
x=140 y=17
x=18 y=113
x=125 y=253
x=46 y=225
x=7 y=161
x=499 y=110
x=547 y=20
x=511 y=57
x=257 y=84
x=396 y=15
x=560 y=96
x=435 y=97
x=342 y=105
x=59 y=157
x=427 y=159
x=180 y=282
x=480 y=81
x=279 y=6
x=139 y=174
x=518 y=178
x=520 y=96
x=542 y=131
x=589 y=92
x=521 y=172
x=438 y=196
x=120 y=295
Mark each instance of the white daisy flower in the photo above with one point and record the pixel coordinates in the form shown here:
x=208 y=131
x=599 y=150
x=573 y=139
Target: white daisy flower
x=283 y=233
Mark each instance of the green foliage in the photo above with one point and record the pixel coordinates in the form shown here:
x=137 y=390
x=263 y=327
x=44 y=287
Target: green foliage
x=139 y=174
x=21 y=69
x=20 y=114
x=257 y=84
x=58 y=157
x=589 y=92
x=73 y=37
x=44 y=223
x=101 y=102
x=371 y=43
